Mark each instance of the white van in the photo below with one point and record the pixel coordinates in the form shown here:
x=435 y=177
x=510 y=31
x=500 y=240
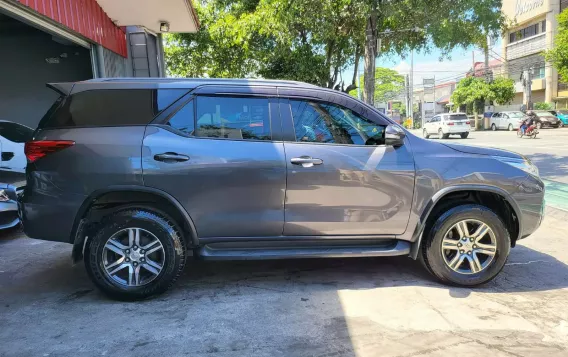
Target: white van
x=447 y=124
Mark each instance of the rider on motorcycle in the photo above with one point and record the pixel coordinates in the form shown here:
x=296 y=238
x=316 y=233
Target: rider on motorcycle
x=528 y=122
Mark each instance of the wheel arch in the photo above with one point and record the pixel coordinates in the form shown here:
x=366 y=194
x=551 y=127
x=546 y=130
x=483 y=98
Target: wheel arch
x=447 y=192
x=121 y=196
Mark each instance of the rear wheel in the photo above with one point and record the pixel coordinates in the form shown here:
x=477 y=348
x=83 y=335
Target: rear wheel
x=464 y=135
x=561 y=125
x=468 y=245
x=440 y=133
x=539 y=126
x=510 y=127
x=135 y=254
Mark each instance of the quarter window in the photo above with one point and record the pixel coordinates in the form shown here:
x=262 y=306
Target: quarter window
x=184 y=120
x=233 y=118
x=329 y=123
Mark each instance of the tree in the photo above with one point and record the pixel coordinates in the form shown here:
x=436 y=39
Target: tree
x=388 y=85
x=558 y=55
x=475 y=90
x=543 y=106
x=403 y=25
x=306 y=40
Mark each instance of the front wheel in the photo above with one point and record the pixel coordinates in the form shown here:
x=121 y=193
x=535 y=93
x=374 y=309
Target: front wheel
x=493 y=127
x=135 y=254
x=467 y=245
x=425 y=133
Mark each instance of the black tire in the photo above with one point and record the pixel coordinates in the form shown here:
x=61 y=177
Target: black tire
x=162 y=227
x=510 y=127
x=464 y=135
x=493 y=127
x=539 y=126
x=432 y=252
x=561 y=125
x=440 y=133
x=425 y=133
x=445 y=136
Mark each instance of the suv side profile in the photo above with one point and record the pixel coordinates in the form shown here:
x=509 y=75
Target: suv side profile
x=136 y=173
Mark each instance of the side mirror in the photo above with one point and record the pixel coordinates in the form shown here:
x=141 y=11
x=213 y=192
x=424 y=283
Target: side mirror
x=394 y=136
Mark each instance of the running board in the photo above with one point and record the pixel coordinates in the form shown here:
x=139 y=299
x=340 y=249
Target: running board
x=218 y=252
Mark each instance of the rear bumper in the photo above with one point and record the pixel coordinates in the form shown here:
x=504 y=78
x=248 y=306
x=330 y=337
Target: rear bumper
x=456 y=129
x=8 y=215
x=49 y=217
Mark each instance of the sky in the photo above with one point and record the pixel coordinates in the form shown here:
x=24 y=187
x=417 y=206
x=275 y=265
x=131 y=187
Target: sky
x=429 y=66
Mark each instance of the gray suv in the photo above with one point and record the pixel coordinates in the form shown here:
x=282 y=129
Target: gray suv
x=138 y=174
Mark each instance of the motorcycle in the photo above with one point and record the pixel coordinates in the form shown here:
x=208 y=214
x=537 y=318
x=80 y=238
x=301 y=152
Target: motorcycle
x=530 y=132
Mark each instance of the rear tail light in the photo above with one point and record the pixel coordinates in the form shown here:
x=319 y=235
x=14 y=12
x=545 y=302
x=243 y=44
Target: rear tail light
x=450 y=123
x=467 y=122
x=35 y=150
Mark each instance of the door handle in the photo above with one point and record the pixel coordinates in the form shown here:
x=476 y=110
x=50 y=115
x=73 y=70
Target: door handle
x=171 y=157
x=306 y=161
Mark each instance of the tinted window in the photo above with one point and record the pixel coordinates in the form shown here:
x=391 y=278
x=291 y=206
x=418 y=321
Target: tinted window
x=183 y=120
x=233 y=118
x=457 y=117
x=15 y=132
x=329 y=123
x=111 y=107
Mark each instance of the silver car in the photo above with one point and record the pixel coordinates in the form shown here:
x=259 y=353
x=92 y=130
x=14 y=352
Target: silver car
x=507 y=120
x=139 y=174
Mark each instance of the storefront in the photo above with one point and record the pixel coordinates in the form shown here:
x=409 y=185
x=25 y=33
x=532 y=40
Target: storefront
x=47 y=41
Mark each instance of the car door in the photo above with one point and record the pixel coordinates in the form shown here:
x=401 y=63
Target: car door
x=495 y=120
x=342 y=179
x=220 y=154
x=432 y=125
x=504 y=121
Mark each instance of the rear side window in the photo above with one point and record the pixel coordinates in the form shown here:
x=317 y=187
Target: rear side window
x=233 y=118
x=111 y=107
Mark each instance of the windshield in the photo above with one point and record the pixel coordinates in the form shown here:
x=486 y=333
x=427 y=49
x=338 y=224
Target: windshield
x=457 y=117
x=544 y=114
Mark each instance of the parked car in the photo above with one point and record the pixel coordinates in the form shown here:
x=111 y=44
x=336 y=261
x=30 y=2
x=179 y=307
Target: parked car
x=12 y=139
x=562 y=115
x=447 y=124
x=136 y=174
x=10 y=183
x=507 y=120
x=545 y=119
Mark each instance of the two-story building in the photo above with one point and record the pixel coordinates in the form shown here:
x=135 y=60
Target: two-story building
x=534 y=26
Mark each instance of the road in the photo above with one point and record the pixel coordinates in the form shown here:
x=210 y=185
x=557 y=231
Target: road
x=335 y=307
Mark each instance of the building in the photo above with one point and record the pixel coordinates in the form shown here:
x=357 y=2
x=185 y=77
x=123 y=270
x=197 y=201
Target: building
x=45 y=41
x=434 y=100
x=535 y=25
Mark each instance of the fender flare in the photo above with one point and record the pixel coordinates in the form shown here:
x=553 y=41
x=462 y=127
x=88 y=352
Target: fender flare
x=76 y=232
x=419 y=230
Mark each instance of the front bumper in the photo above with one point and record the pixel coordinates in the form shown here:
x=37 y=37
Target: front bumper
x=530 y=198
x=9 y=210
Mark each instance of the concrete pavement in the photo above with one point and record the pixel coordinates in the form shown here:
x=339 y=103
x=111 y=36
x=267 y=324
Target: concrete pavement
x=326 y=307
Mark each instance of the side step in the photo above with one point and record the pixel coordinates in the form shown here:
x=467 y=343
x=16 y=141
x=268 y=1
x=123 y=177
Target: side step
x=230 y=252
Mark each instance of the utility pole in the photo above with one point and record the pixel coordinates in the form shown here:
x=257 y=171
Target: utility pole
x=487 y=80
x=410 y=109
x=407 y=93
x=526 y=78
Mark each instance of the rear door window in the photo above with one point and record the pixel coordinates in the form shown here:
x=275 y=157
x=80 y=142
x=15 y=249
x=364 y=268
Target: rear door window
x=111 y=107
x=233 y=118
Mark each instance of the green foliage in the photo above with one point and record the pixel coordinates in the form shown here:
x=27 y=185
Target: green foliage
x=401 y=107
x=388 y=84
x=558 y=55
x=306 y=40
x=473 y=91
x=543 y=106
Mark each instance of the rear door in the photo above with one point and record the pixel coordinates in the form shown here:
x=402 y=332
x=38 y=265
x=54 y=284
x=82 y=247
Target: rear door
x=220 y=154
x=342 y=179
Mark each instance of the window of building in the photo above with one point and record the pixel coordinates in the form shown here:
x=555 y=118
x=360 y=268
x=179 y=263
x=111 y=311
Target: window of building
x=333 y=124
x=111 y=107
x=233 y=118
x=563 y=5
x=539 y=72
x=184 y=120
x=527 y=32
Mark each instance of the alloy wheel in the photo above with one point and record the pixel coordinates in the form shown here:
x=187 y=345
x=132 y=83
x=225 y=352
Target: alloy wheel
x=133 y=257
x=469 y=246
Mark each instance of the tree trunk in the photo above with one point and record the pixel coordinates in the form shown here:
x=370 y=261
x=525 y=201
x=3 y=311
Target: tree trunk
x=353 y=84
x=370 y=57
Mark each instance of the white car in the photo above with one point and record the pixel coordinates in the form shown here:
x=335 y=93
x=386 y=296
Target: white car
x=506 y=120
x=447 y=124
x=13 y=136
